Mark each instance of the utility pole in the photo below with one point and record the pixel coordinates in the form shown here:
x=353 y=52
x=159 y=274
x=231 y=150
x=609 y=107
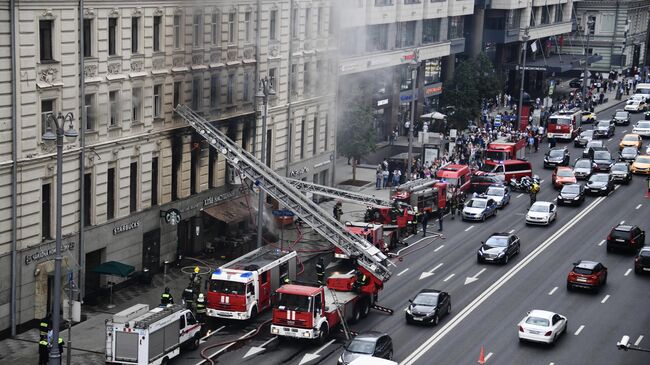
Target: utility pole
x=525 y=39
x=414 y=76
x=589 y=24
x=263 y=92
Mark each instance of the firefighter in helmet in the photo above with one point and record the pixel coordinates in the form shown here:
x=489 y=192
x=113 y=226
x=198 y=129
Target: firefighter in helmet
x=362 y=280
x=166 y=298
x=320 y=271
x=200 y=308
x=188 y=296
x=43 y=351
x=338 y=211
x=44 y=327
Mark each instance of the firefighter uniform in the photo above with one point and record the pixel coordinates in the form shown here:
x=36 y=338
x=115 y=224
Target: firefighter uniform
x=200 y=308
x=362 y=279
x=286 y=280
x=60 y=343
x=43 y=352
x=337 y=211
x=166 y=298
x=188 y=296
x=43 y=328
x=320 y=271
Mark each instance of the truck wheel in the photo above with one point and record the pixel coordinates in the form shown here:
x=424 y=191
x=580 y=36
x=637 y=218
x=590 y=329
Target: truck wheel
x=164 y=361
x=323 y=333
x=355 y=314
x=194 y=343
x=253 y=312
x=365 y=309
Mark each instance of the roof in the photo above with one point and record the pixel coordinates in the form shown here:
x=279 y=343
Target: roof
x=623 y=227
x=230 y=212
x=369 y=335
x=453 y=167
x=429 y=291
x=299 y=289
x=542 y=203
x=541 y=313
x=501 y=234
x=585 y=264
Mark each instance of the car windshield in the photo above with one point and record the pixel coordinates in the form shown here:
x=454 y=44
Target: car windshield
x=630 y=138
x=476 y=203
x=492 y=191
x=619 y=167
x=644 y=253
x=565 y=173
x=361 y=346
x=599 y=178
x=428 y=299
x=589 y=133
x=583 y=164
x=571 y=189
x=293 y=302
x=561 y=120
x=539 y=208
x=601 y=155
x=643 y=125
x=582 y=271
x=595 y=144
x=629 y=150
x=227 y=287
x=491 y=168
x=556 y=153
x=643 y=159
x=536 y=321
x=497 y=241
x=496 y=155
x=603 y=124
x=621 y=115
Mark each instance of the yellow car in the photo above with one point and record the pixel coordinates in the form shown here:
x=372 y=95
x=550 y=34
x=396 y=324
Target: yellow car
x=588 y=117
x=641 y=165
x=630 y=140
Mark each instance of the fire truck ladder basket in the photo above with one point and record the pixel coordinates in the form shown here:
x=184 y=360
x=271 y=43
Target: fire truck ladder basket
x=349 y=196
x=382 y=309
x=370 y=257
x=344 y=325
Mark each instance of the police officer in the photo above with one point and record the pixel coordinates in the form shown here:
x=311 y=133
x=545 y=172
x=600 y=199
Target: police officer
x=188 y=296
x=166 y=298
x=533 y=193
x=320 y=271
x=200 y=308
x=43 y=351
x=338 y=211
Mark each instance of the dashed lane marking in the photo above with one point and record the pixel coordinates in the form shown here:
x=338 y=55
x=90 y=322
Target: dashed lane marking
x=579 y=330
x=488 y=356
x=638 y=341
x=449 y=277
x=403 y=271
x=638 y=206
x=552 y=291
x=627 y=272
x=622 y=222
x=601 y=243
x=438 y=249
x=512 y=231
x=609 y=140
x=541 y=181
x=519 y=196
x=468 y=228
x=605 y=299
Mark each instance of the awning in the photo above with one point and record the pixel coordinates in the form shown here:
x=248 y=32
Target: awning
x=434 y=115
x=230 y=212
x=114 y=268
x=556 y=63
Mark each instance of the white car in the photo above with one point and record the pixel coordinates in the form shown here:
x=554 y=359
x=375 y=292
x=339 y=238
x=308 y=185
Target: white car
x=542 y=326
x=640 y=97
x=541 y=213
x=642 y=128
x=647 y=150
x=635 y=106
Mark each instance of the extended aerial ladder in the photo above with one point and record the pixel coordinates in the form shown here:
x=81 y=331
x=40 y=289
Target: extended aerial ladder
x=368 y=256
x=345 y=195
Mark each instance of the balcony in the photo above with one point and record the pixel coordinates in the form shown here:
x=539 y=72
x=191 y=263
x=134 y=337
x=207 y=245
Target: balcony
x=501 y=36
x=547 y=30
x=508 y=4
x=548 y=2
x=461 y=7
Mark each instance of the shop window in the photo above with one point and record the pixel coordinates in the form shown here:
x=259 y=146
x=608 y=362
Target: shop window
x=154 y=181
x=110 y=193
x=46 y=211
x=432 y=71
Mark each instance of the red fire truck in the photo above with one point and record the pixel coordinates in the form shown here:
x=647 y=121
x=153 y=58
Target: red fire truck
x=502 y=149
x=392 y=218
x=425 y=194
x=242 y=288
x=373 y=233
x=564 y=124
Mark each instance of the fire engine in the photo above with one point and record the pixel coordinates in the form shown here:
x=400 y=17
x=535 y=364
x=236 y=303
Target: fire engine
x=373 y=233
x=141 y=336
x=564 y=124
x=503 y=149
x=242 y=288
x=425 y=194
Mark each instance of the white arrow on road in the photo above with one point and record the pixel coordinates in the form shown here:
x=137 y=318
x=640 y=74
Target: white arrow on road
x=474 y=278
x=314 y=355
x=204 y=339
x=426 y=274
x=257 y=349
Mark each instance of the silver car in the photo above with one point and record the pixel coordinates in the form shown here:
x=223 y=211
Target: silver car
x=583 y=168
x=500 y=194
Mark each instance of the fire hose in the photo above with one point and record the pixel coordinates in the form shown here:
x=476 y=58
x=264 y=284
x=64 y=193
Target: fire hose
x=224 y=343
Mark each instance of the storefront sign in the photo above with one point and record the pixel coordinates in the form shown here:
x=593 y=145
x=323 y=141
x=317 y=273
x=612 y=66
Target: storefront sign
x=225 y=196
x=43 y=254
x=434 y=89
x=320 y=164
x=298 y=172
x=126 y=227
x=382 y=102
x=173 y=217
x=407 y=96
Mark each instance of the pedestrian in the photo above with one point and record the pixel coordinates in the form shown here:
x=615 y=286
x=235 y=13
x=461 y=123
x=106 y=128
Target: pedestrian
x=378 y=178
x=384 y=175
x=337 y=211
x=425 y=221
x=396 y=174
x=166 y=298
x=320 y=271
x=43 y=352
x=441 y=214
x=453 y=205
x=536 y=142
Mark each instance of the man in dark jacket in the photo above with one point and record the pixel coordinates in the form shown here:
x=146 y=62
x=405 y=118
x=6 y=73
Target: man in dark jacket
x=425 y=221
x=441 y=215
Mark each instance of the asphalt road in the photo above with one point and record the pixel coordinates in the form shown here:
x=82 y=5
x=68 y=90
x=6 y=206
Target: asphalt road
x=485 y=311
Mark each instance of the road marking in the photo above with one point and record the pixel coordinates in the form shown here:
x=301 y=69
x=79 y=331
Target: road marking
x=601 y=243
x=519 y=196
x=628 y=272
x=225 y=347
x=624 y=131
x=468 y=228
x=449 y=277
x=314 y=355
x=638 y=340
x=552 y=291
x=579 y=330
x=438 y=249
x=605 y=299
x=609 y=140
x=474 y=278
x=426 y=274
x=488 y=356
x=638 y=206
x=622 y=222
x=485 y=295
x=257 y=349
x=204 y=338
x=512 y=231
x=541 y=181
x=403 y=271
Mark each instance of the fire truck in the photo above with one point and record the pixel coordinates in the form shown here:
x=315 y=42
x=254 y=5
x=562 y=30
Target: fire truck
x=503 y=149
x=564 y=124
x=141 y=336
x=425 y=194
x=242 y=288
x=384 y=240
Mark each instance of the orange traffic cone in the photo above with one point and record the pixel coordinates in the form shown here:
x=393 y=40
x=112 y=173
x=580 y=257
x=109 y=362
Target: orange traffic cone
x=481 y=356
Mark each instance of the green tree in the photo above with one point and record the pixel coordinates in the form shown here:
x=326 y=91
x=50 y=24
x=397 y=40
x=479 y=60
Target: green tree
x=462 y=94
x=356 y=131
x=489 y=84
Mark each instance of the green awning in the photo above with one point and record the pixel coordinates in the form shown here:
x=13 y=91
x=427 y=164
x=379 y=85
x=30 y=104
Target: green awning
x=114 y=268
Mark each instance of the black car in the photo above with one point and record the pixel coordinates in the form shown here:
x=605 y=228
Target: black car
x=575 y=84
x=628 y=154
x=583 y=138
x=642 y=260
x=376 y=344
x=621 y=117
x=500 y=247
x=604 y=129
x=572 y=194
x=480 y=183
x=591 y=144
x=625 y=237
x=602 y=158
x=583 y=168
x=620 y=172
x=428 y=306
x=600 y=184
x=556 y=156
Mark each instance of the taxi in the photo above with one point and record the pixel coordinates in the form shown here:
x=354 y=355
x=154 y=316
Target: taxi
x=630 y=140
x=641 y=165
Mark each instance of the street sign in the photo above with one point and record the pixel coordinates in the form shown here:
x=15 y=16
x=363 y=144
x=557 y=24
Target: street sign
x=283 y=213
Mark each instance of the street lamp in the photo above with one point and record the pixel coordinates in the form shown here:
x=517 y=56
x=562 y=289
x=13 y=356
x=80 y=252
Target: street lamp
x=57 y=122
x=263 y=92
x=413 y=66
x=525 y=39
x=590 y=23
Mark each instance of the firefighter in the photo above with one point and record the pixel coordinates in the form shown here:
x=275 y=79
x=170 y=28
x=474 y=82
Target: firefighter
x=43 y=351
x=200 y=308
x=60 y=343
x=195 y=279
x=44 y=327
x=286 y=280
x=416 y=219
x=320 y=271
x=338 y=211
x=188 y=296
x=425 y=221
x=362 y=280
x=166 y=298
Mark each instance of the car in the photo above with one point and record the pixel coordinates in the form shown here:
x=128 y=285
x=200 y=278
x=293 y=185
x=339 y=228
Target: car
x=479 y=209
x=641 y=165
x=601 y=158
x=583 y=168
x=562 y=175
x=583 y=138
x=371 y=343
x=625 y=237
x=620 y=172
x=639 y=97
x=647 y=150
x=642 y=260
x=587 y=275
x=542 y=326
x=480 y=183
x=604 y=129
x=631 y=140
x=635 y=106
x=542 y=213
x=600 y=184
x=371 y=360
x=592 y=144
x=556 y=156
x=642 y=128
x=621 y=117
x=628 y=154
x=428 y=307
x=572 y=194
x=499 y=247
x=575 y=84
x=500 y=194
x=588 y=117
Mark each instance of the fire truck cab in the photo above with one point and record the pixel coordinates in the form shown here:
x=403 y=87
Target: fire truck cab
x=242 y=288
x=564 y=124
x=457 y=176
x=425 y=194
x=502 y=149
x=373 y=233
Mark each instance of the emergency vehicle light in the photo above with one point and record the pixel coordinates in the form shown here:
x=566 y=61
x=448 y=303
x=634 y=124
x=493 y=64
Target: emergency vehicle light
x=217 y=271
x=246 y=275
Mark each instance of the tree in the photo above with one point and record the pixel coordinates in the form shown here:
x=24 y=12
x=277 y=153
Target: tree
x=356 y=131
x=489 y=84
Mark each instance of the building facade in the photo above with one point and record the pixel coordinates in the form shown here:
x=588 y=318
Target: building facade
x=140 y=161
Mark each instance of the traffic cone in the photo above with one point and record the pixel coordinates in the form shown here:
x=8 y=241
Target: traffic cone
x=481 y=356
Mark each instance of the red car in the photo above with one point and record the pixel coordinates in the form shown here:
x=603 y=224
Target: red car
x=587 y=275
x=563 y=176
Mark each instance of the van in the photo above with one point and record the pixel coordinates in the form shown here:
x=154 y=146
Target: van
x=643 y=89
x=456 y=176
x=508 y=169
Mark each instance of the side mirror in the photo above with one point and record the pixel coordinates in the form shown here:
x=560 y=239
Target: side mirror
x=482 y=243
x=411 y=301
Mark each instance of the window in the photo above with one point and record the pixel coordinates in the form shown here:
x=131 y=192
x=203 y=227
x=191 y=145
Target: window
x=430 y=30
x=114 y=105
x=195 y=164
x=247 y=26
x=196 y=93
x=303 y=127
x=177 y=160
x=46 y=211
x=214 y=29
x=407 y=2
x=383 y=2
x=231 y=88
x=133 y=187
x=214 y=90
x=294 y=79
x=212 y=160
x=591 y=19
x=513 y=19
x=157 y=21
x=405 y=34
x=314 y=137
x=112 y=36
x=177 y=31
x=198 y=31
x=307 y=20
x=545 y=15
x=247 y=86
x=47 y=107
x=154 y=181
x=110 y=194
x=319 y=20
x=432 y=71
x=135 y=34
x=231 y=28
x=136 y=105
x=377 y=37
x=45 y=39
x=273 y=24
x=88 y=36
x=558 y=13
x=157 y=100
x=294 y=23
x=326 y=134
x=269 y=146
x=91 y=116
x=272 y=73
x=455 y=27
x=177 y=93
x=306 y=79
x=88 y=194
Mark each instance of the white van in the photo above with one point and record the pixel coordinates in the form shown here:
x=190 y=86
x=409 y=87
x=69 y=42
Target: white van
x=371 y=360
x=643 y=89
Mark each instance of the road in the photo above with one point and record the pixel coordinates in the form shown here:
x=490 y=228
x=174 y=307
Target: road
x=485 y=311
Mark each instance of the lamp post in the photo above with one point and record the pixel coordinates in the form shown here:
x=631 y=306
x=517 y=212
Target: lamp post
x=590 y=23
x=525 y=39
x=413 y=66
x=58 y=123
x=263 y=92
